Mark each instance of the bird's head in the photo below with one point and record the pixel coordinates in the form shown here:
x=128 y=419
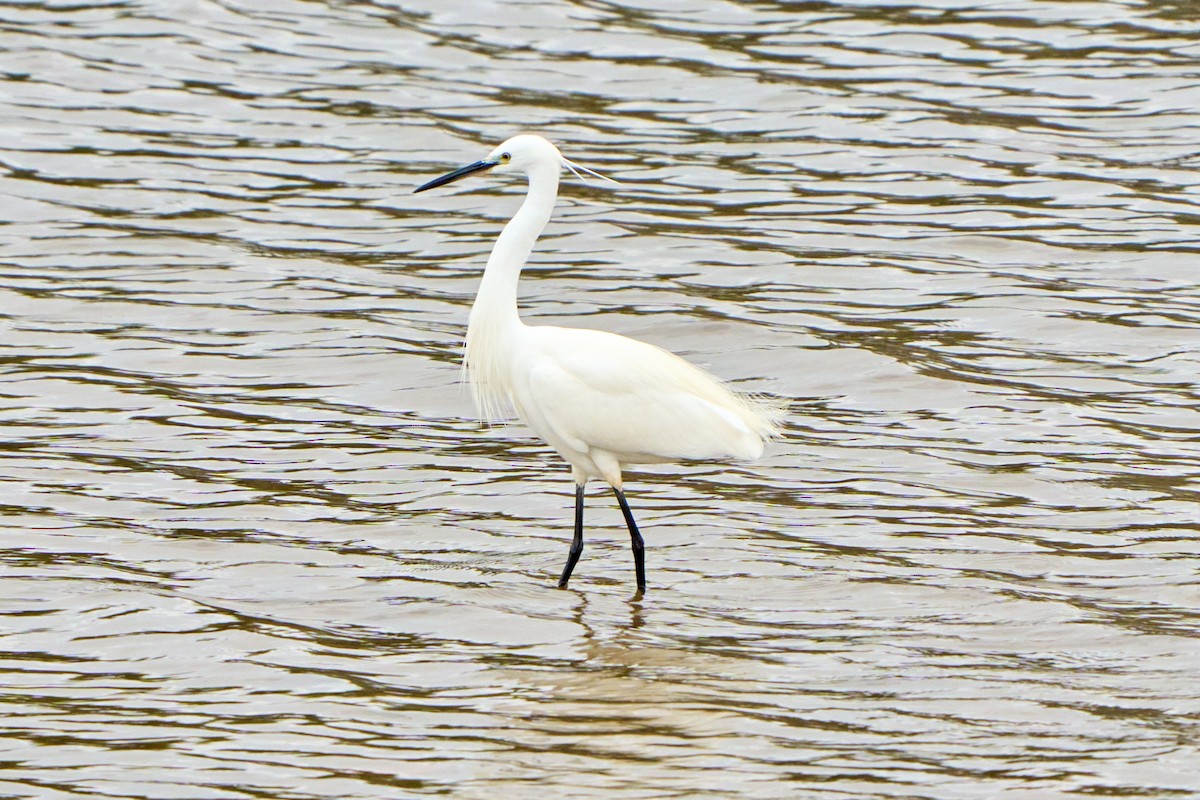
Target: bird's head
x=526 y=154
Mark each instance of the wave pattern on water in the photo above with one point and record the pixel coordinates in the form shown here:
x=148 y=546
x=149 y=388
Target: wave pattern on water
x=254 y=544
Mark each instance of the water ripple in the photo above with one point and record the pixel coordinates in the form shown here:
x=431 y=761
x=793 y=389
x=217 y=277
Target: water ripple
x=254 y=544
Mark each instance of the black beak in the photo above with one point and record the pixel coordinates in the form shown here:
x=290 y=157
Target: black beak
x=461 y=172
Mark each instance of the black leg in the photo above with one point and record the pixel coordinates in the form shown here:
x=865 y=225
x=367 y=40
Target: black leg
x=577 y=542
x=635 y=539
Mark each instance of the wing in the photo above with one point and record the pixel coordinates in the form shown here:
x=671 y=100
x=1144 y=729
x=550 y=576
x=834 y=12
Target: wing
x=639 y=402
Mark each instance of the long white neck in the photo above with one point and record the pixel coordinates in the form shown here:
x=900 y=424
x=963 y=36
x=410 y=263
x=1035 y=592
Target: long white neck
x=494 y=323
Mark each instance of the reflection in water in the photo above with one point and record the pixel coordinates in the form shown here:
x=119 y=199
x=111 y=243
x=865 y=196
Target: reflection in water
x=255 y=544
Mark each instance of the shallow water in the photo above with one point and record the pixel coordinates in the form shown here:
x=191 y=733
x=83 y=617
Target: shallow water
x=255 y=545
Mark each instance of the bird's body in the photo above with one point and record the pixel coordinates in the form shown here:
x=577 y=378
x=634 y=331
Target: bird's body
x=604 y=401
x=601 y=400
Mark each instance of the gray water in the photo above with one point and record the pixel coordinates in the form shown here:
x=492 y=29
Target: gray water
x=255 y=545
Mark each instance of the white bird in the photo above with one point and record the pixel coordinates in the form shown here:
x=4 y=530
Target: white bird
x=601 y=400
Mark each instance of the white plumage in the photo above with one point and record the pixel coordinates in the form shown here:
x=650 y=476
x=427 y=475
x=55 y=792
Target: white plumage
x=602 y=401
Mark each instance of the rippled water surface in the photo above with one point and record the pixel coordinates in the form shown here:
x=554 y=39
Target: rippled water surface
x=255 y=544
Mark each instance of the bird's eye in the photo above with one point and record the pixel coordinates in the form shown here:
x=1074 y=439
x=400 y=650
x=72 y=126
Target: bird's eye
x=506 y=157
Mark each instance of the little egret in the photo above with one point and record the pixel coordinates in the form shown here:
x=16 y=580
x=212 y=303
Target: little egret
x=602 y=401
